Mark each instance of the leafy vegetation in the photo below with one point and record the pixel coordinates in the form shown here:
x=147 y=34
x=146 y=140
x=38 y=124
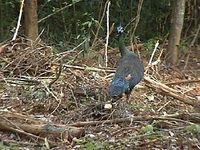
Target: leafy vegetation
x=74 y=24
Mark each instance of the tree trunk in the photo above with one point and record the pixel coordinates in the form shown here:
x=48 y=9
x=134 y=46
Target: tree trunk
x=31 y=19
x=177 y=17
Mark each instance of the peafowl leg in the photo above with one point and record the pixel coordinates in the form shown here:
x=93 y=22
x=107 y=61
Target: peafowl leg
x=127 y=97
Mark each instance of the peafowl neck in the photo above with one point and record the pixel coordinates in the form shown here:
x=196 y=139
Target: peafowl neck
x=122 y=48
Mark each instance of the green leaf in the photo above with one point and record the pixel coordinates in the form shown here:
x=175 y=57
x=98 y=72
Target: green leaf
x=194 y=128
x=94 y=145
x=147 y=129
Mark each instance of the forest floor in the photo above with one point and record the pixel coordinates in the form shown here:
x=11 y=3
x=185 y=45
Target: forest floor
x=75 y=111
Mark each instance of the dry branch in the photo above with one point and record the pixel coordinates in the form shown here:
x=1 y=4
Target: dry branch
x=193 y=117
x=29 y=126
x=89 y=68
x=162 y=88
x=23 y=81
x=182 y=118
x=182 y=82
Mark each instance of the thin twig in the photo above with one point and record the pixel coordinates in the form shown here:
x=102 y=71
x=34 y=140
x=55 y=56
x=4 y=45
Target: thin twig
x=56 y=98
x=137 y=21
x=89 y=68
x=182 y=82
x=192 y=44
x=163 y=106
x=58 y=73
x=100 y=22
x=64 y=54
x=38 y=37
x=151 y=64
x=20 y=81
x=107 y=37
x=59 y=10
x=152 y=55
x=19 y=20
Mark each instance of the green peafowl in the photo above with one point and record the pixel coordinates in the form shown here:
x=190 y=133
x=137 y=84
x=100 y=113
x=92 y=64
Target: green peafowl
x=129 y=72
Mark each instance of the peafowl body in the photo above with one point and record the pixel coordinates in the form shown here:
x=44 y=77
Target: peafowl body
x=129 y=72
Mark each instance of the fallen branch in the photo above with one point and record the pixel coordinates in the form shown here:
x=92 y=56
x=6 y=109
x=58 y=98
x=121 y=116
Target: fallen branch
x=32 y=127
x=162 y=88
x=89 y=68
x=23 y=81
x=182 y=82
x=173 y=117
x=193 y=117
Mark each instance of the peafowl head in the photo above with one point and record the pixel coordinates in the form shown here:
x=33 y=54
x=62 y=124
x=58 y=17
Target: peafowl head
x=120 y=29
x=118 y=87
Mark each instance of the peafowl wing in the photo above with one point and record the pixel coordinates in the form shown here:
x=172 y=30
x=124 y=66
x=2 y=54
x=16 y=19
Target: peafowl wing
x=129 y=73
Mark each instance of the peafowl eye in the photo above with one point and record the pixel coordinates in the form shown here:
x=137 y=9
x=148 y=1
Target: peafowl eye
x=129 y=72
